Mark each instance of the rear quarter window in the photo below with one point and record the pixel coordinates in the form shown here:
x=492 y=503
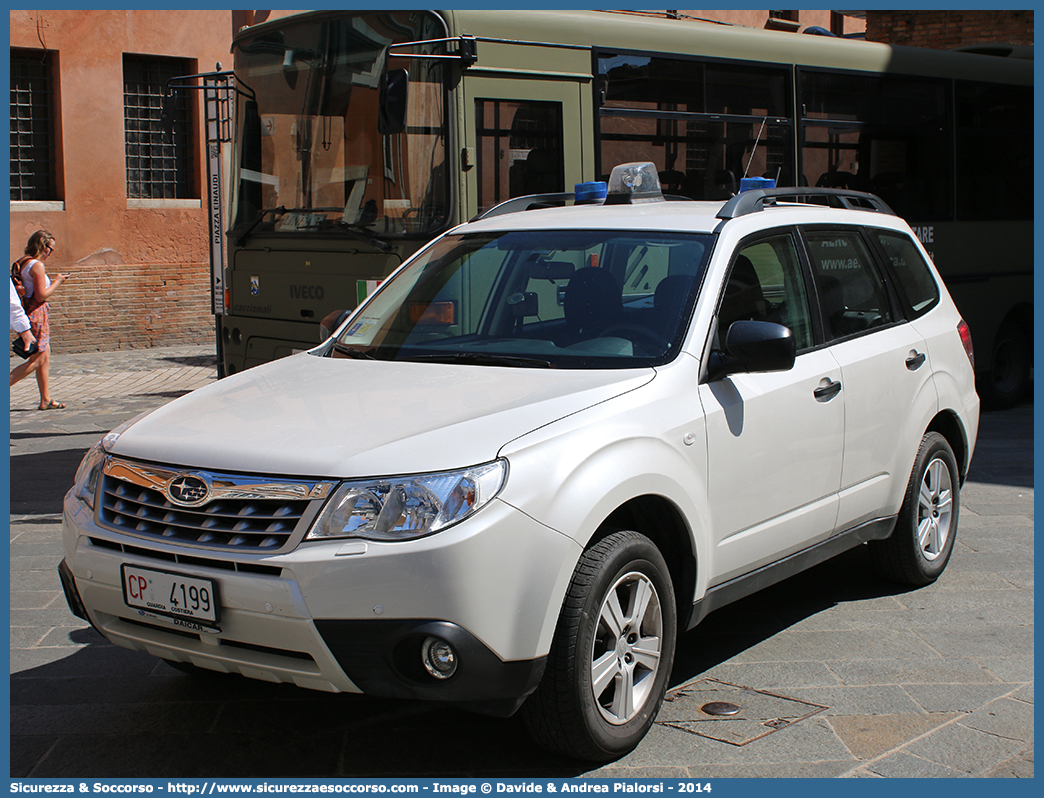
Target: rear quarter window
x=920 y=293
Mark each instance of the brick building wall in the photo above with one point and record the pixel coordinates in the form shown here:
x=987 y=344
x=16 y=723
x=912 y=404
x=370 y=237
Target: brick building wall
x=141 y=266
x=133 y=306
x=945 y=30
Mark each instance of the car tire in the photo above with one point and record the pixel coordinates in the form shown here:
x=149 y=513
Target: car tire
x=1007 y=382
x=919 y=547
x=611 y=655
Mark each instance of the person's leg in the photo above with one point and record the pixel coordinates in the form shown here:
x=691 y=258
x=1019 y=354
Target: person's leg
x=43 y=381
x=23 y=370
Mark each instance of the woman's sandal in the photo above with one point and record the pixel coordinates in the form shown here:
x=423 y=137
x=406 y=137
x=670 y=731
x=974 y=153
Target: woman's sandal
x=52 y=405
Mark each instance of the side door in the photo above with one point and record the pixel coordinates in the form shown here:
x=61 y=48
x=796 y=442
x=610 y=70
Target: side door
x=885 y=375
x=775 y=440
x=521 y=136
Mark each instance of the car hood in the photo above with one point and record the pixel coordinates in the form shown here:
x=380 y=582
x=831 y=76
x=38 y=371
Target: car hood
x=321 y=417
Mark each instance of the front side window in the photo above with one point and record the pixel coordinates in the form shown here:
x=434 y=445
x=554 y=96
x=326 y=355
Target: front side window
x=309 y=155
x=159 y=164
x=765 y=284
x=33 y=147
x=563 y=299
x=852 y=297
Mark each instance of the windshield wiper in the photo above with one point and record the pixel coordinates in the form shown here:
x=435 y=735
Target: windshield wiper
x=361 y=233
x=353 y=352
x=482 y=359
x=261 y=214
x=356 y=231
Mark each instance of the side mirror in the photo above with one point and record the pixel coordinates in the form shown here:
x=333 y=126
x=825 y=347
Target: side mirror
x=331 y=322
x=753 y=347
x=393 y=99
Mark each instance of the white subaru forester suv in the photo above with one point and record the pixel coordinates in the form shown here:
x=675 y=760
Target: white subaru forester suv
x=555 y=439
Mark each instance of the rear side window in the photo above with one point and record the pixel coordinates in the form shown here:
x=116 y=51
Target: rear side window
x=851 y=295
x=916 y=284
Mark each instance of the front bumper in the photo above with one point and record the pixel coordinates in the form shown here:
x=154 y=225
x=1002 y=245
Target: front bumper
x=347 y=616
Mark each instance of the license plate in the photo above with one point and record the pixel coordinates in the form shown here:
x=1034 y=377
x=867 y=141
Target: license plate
x=165 y=593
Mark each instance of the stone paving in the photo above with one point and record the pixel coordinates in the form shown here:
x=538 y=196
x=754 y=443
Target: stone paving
x=838 y=674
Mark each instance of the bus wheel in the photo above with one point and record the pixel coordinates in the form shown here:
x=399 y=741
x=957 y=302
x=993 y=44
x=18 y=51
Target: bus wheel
x=1008 y=380
x=612 y=653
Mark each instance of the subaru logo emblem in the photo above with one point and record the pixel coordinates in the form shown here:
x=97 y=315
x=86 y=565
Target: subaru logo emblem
x=188 y=490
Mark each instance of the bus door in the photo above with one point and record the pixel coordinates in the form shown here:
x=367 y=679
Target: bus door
x=522 y=136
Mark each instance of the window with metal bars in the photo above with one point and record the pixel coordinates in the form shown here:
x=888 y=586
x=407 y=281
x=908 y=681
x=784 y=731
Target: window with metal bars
x=33 y=150
x=158 y=161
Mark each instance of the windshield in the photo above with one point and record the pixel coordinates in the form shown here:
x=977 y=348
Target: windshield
x=551 y=298
x=309 y=157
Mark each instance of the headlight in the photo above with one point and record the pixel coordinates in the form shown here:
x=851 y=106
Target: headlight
x=85 y=487
x=407 y=508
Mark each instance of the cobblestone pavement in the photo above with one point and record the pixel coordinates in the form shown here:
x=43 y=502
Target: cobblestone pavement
x=839 y=674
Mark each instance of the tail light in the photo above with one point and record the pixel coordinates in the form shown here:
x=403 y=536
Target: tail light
x=965 y=332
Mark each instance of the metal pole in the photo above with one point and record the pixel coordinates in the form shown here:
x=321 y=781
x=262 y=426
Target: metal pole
x=213 y=100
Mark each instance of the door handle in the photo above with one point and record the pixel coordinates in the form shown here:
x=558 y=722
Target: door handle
x=915 y=361
x=824 y=393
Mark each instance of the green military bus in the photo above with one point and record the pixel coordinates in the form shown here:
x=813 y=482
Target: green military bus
x=360 y=135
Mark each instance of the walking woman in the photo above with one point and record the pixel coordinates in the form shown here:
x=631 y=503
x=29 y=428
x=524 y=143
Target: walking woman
x=37 y=284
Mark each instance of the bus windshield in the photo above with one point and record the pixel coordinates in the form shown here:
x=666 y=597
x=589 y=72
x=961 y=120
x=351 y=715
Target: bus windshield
x=550 y=299
x=309 y=157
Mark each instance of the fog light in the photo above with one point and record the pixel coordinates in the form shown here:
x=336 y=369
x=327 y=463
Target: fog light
x=440 y=660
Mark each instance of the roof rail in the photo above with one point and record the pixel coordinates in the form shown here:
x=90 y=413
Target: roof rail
x=756 y=200
x=528 y=202
x=532 y=202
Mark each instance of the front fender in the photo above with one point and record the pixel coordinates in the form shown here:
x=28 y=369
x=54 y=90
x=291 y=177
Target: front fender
x=573 y=474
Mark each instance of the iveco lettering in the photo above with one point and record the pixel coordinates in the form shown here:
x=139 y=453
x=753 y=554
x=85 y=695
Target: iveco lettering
x=554 y=440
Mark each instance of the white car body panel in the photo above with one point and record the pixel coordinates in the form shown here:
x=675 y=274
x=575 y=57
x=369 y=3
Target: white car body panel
x=450 y=575
x=890 y=407
x=772 y=486
x=568 y=475
x=308 y=416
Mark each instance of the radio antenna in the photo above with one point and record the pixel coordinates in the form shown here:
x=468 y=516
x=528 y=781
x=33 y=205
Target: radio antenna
x=755 y=149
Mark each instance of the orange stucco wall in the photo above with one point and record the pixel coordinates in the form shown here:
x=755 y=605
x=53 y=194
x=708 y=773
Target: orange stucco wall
x=141 y=274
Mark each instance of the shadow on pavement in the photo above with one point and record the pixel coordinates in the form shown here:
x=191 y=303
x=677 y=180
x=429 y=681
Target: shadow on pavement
x=1004 y=452
x=737 y=627
x=39 y=481
x=106 y=711
x=200 y=361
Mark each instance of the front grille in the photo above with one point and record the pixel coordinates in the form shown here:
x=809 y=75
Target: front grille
x=250 y=524
x=242 y=513
x=188 y=559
